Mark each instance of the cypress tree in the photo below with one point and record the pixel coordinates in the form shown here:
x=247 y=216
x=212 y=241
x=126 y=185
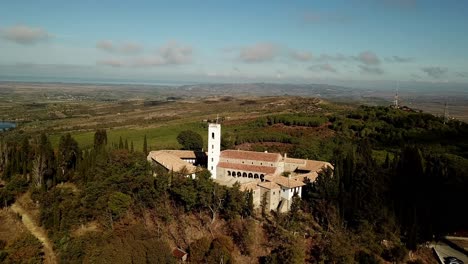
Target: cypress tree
x=121 y=144
x=126 y=144
x=145 y=146
x=131 y=147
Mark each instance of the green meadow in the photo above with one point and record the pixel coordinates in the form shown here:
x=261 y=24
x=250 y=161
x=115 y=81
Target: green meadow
x=162 y=137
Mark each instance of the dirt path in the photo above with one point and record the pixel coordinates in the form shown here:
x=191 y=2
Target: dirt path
x=38 y=232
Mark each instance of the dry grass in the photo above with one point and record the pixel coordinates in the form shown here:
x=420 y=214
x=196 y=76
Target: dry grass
x=11 y=227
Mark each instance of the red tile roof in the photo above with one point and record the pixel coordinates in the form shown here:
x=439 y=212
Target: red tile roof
x=284 y=181
x=178 y=253
x=295 y=161
x=183 y=154
x=247 y=168
x=248 y=186
x=171 y=162
x=269 y=185
x=250 y=155
x=315 y=165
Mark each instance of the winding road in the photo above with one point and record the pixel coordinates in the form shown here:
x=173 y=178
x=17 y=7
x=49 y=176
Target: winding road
x=38 y=232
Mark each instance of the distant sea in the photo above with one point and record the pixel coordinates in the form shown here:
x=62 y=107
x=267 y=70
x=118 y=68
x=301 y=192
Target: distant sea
x=77 y=80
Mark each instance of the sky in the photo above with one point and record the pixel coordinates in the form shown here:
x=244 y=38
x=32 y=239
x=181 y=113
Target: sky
x=357 y=42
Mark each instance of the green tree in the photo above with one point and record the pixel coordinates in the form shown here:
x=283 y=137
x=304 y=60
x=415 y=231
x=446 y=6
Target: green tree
x=68 y=155
x=100 y=139
x=145 y=146
x=118 y=204
x=121 y=144
x=190 y=140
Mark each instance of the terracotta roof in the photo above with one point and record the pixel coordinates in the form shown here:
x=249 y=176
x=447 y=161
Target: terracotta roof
x=248 y=186
x=284 y=181
x=250 y=155
x=246 y=167
x=170 y=161
x=312 y=176
x=269 y=185
x=178 y=253
x=315 y=165
x=295 y=161
x=184 y=154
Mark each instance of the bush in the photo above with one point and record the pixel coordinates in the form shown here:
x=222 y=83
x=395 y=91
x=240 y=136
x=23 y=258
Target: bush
x=118 y=204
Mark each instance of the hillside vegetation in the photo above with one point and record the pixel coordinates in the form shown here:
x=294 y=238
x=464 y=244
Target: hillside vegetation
x=398 y=177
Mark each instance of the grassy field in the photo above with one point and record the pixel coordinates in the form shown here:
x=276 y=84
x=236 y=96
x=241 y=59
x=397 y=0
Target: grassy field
x=132 y=113
x=162 y=137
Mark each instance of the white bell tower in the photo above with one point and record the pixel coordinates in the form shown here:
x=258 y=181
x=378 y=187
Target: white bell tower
x=214 y=147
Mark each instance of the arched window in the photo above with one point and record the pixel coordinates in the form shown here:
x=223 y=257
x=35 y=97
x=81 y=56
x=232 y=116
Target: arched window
x=244 y=174
x=212 y=135
x=255 y=176
x=250 y=175
x=262 y=177
x=229 y=173
x=239 y=174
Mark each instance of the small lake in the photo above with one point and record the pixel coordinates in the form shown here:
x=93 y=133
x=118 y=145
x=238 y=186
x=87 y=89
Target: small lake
x=6 y=125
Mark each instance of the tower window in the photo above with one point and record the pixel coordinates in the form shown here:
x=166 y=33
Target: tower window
x=212 y=135
x=211 y=167
x=212 y=146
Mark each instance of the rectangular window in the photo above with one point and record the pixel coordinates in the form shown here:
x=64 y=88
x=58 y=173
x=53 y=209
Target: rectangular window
x=212 y=146
x=212 y=159
x=211 y=167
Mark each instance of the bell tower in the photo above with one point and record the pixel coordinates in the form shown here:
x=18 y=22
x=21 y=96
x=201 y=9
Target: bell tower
x=214 y=147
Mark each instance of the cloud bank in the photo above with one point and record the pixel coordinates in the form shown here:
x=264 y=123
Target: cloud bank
x=128 y=48
x=323 y=68
x=371 y=70
x=300 y=55
x=25 y=35
x=259 y=52
x=435 y=72
x=171 y=53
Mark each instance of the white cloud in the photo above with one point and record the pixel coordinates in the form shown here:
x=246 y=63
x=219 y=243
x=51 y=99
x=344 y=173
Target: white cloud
x=323 y=68
x=300 y=55
x=106 y=45
x=175 y=53
x=25 y=35
x=131 y=48
x=171 y=53
x=435 y=72
x=368 y=58
x=259 y=52
x=371 y=70
x=398 y=59
x=128 y=48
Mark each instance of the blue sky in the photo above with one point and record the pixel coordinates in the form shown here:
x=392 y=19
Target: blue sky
x=337 y=42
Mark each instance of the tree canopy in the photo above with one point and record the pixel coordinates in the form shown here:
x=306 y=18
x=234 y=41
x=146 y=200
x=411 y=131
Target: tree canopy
x=190 y=140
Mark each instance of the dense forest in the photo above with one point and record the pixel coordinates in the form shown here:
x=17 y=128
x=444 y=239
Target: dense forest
x=400 y=179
